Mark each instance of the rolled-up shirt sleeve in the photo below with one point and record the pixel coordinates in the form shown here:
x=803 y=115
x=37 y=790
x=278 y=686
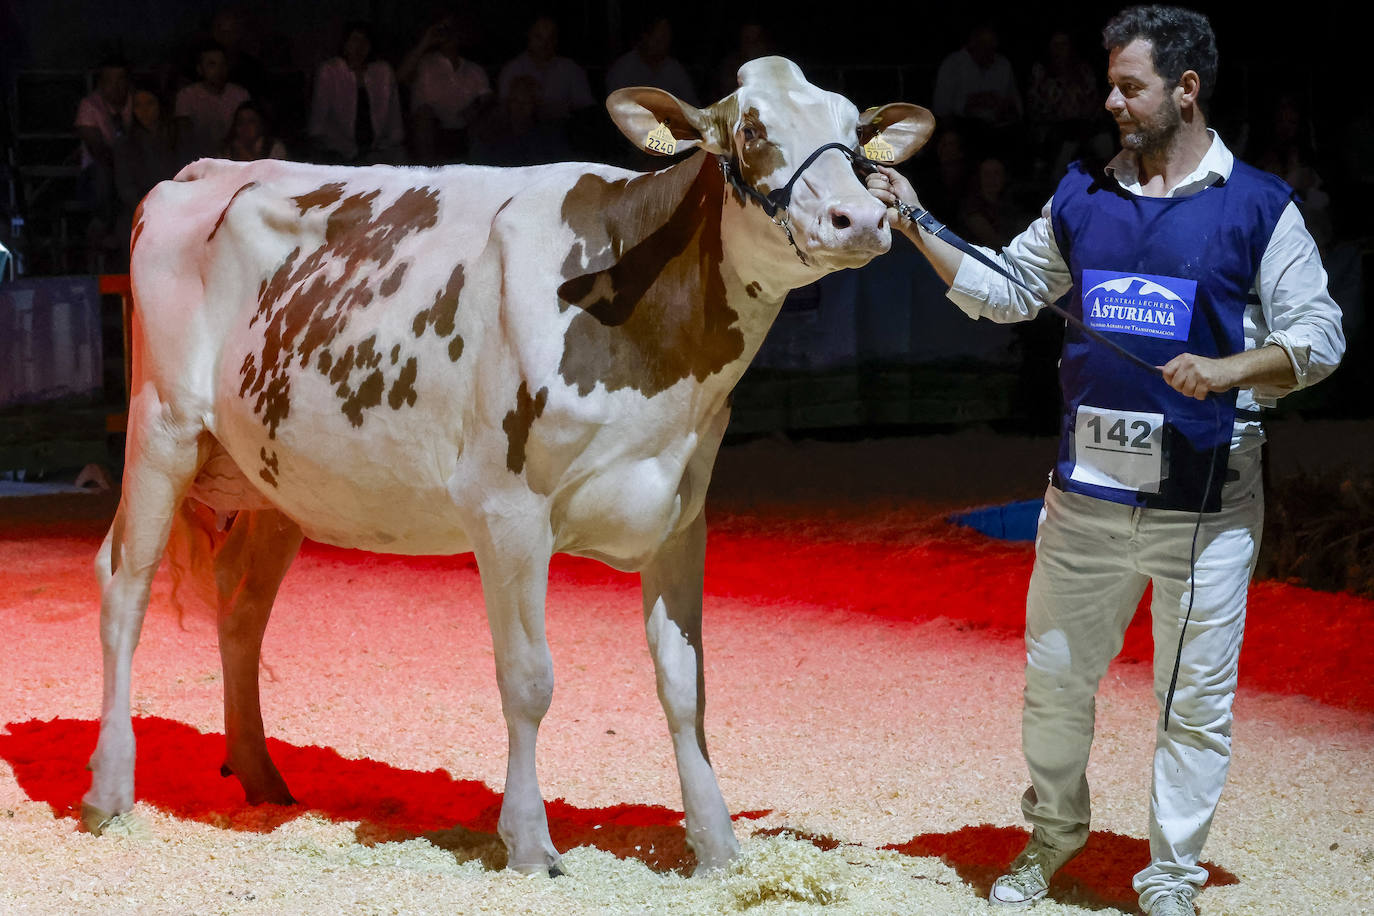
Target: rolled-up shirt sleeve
x=1296 y=311
x=1033 y=257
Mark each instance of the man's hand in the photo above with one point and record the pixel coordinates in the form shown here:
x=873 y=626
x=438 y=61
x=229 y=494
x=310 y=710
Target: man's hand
x=890 y=186
x=1198 y=376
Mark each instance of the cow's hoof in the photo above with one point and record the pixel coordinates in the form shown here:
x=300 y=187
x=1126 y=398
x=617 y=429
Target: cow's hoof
x=552 y=870
x=94 y=820
x=265 y=788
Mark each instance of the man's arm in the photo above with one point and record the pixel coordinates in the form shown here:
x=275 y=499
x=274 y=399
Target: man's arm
x=1199 y=376
x=1304 y=340
x=980 y=292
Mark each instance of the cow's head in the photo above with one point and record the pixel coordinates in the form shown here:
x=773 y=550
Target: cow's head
x=768 y=128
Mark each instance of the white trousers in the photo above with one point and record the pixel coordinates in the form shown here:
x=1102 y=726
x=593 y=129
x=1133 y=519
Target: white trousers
x=1093 y=559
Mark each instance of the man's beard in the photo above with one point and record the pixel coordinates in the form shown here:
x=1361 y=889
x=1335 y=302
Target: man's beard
x=1156 y=134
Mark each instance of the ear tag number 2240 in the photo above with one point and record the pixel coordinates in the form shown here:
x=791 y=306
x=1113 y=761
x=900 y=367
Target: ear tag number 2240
x=661 y=140
x=879 y=150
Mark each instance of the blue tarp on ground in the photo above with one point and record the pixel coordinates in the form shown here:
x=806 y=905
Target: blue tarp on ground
x=1011 y=522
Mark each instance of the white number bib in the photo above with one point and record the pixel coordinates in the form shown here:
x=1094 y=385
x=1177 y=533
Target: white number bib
x=1121 y=449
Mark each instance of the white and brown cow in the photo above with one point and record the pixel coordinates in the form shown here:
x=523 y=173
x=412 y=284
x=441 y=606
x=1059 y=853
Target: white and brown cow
x=513 y=362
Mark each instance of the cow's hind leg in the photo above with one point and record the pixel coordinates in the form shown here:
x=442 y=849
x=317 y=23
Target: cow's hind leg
x=514 y=568
x=164 y=453
x=248 y=570
x=672 y=586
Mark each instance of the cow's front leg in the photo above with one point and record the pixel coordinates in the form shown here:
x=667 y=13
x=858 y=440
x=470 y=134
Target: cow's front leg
x=672 y=586
x=515 y=572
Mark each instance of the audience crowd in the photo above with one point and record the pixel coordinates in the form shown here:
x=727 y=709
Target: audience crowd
x=1006 y=127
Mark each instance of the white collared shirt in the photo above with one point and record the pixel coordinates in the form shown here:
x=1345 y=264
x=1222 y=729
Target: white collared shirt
x=1294 y=309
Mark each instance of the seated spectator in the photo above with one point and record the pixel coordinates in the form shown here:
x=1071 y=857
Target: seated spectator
x=975 y=85
x=210 y=103
x=102 y=118
x=250 y=136
x=561 y=84
x=447 y=93
x=1064 y=108
x=511 y=132
x=987 y=215
x=355 y=111
x=650 y=63
x=942 y=170
x=753 y=42
x=155 y=148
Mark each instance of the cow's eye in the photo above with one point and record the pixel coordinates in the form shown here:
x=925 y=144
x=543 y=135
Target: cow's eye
x=750 y=133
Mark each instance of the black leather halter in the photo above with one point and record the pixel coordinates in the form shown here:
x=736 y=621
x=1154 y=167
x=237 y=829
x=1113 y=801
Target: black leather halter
x=775 y=203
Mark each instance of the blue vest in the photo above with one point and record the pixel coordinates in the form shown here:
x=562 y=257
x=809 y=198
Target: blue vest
x=1160 y=277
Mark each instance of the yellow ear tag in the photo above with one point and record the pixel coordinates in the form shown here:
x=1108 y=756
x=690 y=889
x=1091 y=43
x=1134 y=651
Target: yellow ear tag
x=879 y=150
x=661 y=140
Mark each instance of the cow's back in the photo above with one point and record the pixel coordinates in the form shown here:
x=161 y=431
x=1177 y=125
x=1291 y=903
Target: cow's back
x=329 y=325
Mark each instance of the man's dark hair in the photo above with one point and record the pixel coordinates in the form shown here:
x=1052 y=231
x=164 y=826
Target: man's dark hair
x=1182 y=40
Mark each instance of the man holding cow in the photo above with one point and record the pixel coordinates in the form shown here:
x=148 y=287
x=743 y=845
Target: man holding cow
x=1201 y=266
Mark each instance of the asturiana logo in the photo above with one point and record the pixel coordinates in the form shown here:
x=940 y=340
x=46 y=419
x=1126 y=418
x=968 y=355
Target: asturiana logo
x=1139 y=305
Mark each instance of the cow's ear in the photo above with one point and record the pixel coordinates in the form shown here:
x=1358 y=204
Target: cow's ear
x=898 y=130
x=659 y=122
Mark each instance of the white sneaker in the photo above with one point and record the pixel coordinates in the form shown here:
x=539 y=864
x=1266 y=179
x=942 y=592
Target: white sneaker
x=1174 y=903
x=1028 y=877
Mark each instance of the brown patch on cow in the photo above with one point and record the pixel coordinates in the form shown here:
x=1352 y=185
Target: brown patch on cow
x=753 y=289
x=393 y=279
x=403 y=389
x=653 y=301
x=759 y=158
x=367 y=394
x=518 y=422
x=270 y=467
x=225 y=212
x=306 y=304
x=442 y=315
x=325 y=195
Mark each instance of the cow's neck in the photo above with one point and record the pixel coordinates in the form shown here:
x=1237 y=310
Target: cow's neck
x=673 y=279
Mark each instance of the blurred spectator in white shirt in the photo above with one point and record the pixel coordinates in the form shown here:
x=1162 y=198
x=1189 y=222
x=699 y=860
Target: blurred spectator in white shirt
x=210 y=104
x=650 y=63
x=102 y=119
x=355 y=110
x=561 y=84
x=447 y=92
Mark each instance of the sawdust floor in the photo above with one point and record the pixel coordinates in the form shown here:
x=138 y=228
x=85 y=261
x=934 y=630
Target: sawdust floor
x=863 y=675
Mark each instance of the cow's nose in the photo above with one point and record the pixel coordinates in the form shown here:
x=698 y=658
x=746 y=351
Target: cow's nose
x=852 y=219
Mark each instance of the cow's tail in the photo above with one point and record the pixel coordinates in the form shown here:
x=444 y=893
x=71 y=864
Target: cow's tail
x=196 y=540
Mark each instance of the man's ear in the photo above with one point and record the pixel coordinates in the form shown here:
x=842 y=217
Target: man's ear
x=1191 y=85
x=898 y=130
x=659 y=122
